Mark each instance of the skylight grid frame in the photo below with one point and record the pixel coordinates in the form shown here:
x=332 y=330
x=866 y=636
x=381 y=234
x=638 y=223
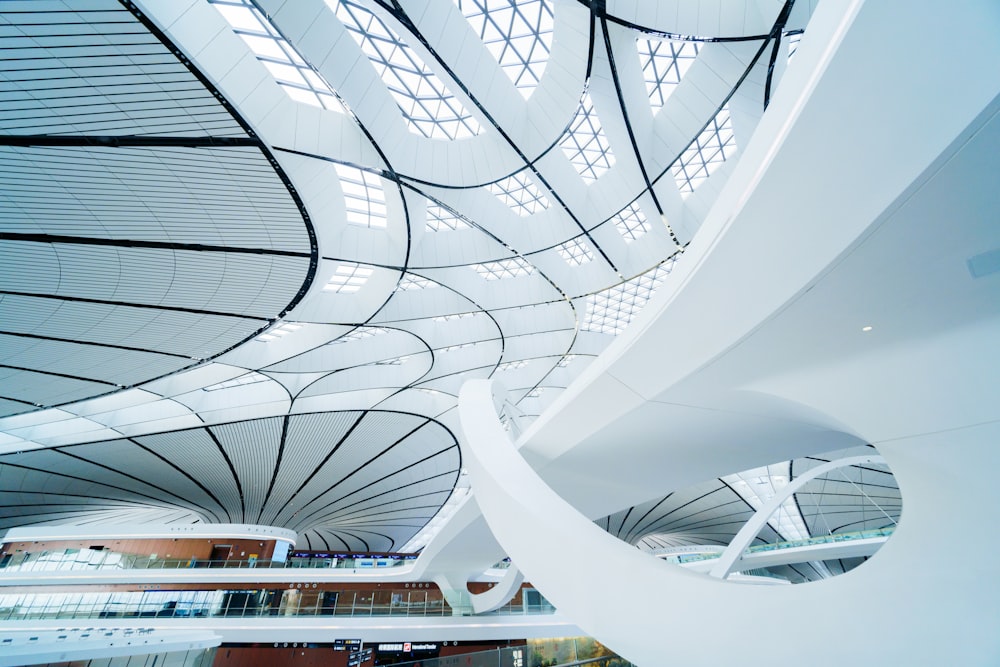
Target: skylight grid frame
x=712 y=147
x=519 y=194
x=348 y=277
x=613 y=309
x=504 y=268
x=517 y=33
x=664 y=63
x=631 y=222
x=364 y=197
x=576 y=252
x=440 y=219
x=289 y=69
x=412 y=282
x=425 y=102
x=585 y=144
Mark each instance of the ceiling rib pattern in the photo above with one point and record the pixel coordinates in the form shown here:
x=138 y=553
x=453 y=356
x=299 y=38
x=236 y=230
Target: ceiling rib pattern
x=348 y=495
x=136 y=210
x=497 y=199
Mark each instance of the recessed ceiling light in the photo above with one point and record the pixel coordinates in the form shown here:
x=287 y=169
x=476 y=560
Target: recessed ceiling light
x=867 y=328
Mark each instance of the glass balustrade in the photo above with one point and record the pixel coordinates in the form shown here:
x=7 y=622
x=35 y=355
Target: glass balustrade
x=88 y=559
x=303 y=600
x=793 y=544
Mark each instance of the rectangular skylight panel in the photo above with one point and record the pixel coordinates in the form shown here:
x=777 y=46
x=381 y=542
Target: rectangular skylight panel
x=284 y=73
x=426 y=103
x=348 y=278
x=364 y=197
x=284 y=63
x=239 y=17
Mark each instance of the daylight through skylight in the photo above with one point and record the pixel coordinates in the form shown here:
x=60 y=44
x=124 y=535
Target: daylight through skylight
x=631 y=222
x=706 y=153
x=585 y=145
x=364 y=197
x=288 y=68
x=440 y=219
x=504 y=268
x=576 y=252
x=414 y=282
x=611 y=310
x=427 y=105
x=348 y=277
x=664 y=63
x=520 y=194
x=518 y=33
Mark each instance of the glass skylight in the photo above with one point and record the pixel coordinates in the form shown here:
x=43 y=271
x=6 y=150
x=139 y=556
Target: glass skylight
x=288 y=68
x=517 y=32
x=364 y=197
x=348 y=277
x=520 y=194
x=576 y=252
x=611 y=310
x=440 y=219
x=359 y=334
x=412 y=282
x=504 y=268
x=664 y=63
x=631 y=222
x=276 y=332
x=453 y=317
x=252 y=377
x=710 y=149
x=427 y=105
x=585 y=145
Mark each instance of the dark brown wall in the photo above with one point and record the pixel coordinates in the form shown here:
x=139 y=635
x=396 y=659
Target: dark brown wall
x=182 y=548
